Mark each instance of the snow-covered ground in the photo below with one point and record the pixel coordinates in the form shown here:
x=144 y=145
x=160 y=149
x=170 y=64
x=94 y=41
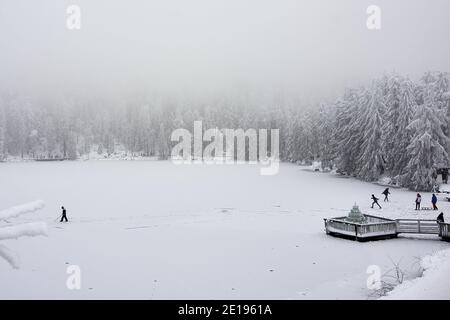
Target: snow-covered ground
x=151 y=229
x=434 y=284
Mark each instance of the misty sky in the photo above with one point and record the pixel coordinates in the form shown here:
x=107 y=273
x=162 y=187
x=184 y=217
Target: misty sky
x=313 y=49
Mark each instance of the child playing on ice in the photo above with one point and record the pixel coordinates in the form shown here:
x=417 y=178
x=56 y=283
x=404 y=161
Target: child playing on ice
x=418 y=200
x=375 y=201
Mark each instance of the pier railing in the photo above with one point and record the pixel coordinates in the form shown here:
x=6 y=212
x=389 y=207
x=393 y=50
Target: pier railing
x=444 y=231
x=382 y=228
x=417 y=226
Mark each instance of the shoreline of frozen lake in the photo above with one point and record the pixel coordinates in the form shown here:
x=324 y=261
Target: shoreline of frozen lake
x=153 y=230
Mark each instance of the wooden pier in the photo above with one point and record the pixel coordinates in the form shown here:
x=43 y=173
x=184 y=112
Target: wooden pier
x=378 y=228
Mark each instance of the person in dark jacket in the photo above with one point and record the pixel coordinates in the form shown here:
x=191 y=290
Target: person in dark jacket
x=375 y=201
x=434 y=201
x=63 y=217
x=386 y=193
x=440 y=218
x=418 y=201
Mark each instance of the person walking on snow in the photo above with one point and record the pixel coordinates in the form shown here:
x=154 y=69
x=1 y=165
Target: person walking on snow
x=418 y=200
x=375 y=201
x=386 y=193
x=63 y=217
x=433 y=201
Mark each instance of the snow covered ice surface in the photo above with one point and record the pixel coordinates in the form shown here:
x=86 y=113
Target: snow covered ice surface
x=153 y=230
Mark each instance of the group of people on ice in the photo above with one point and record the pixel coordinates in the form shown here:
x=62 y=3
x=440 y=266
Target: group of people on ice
x=418 y=202
x=386 y=194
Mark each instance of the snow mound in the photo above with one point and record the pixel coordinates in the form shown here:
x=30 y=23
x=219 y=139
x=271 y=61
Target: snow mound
x=434 y=283
x=22 y=209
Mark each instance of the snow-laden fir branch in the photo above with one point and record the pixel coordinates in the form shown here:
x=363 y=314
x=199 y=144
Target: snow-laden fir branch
x=31 y=229
x=16 y=211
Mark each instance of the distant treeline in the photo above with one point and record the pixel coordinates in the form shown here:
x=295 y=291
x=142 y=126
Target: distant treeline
x=394 y=127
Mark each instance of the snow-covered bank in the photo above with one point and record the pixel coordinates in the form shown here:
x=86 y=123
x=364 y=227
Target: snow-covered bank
x=434 y=283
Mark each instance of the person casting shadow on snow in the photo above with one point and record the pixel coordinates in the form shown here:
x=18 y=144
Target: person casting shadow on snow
x=63 y=217
x=375 y=201
x=418 y=201
x=386 y=193
x=433 y=201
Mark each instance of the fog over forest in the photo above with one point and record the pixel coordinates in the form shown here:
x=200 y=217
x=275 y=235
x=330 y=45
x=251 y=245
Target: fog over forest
x=133 y=73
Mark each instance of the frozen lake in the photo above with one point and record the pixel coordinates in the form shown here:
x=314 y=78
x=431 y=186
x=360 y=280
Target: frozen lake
x=151 y=230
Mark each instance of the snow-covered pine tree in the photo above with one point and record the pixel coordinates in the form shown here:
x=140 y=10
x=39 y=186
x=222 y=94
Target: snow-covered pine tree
x=15 y=127
x=304 y=138
x=441 y=87
x=281 y=122
x=391 y=129
x=407 y=108
x=163 y=151
x=288 y=134
x=425 y=150
x=349 y=130
x=325 y=136
x=310 y=141
x=370 y=161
